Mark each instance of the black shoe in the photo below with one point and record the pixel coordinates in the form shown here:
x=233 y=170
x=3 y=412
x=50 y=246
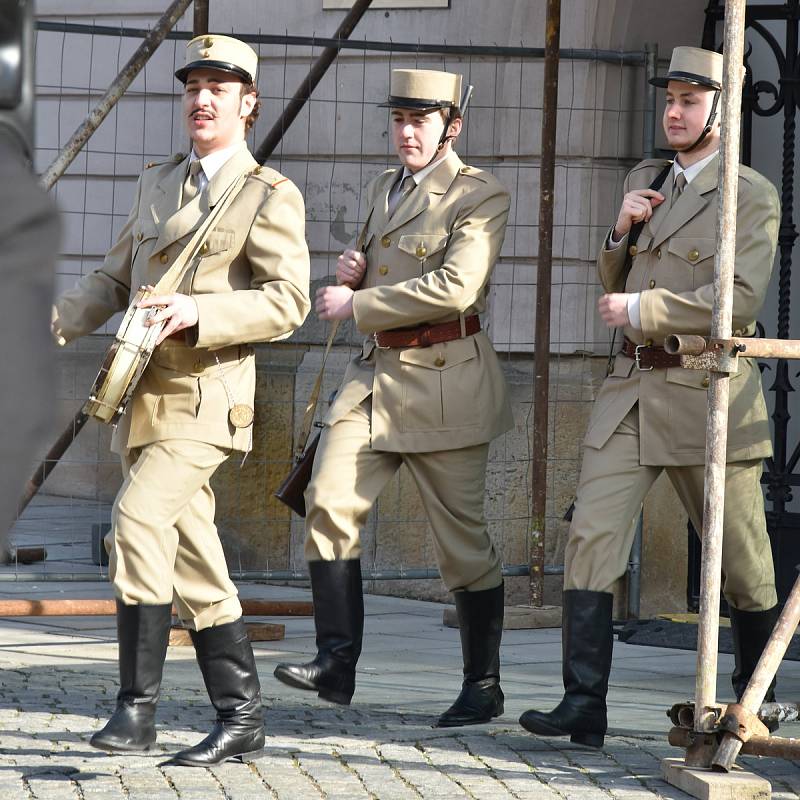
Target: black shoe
x=480 y=623
x=143 y=634
x=587 y=642
x=339 y=620
x=751 y=631
x=226 y=660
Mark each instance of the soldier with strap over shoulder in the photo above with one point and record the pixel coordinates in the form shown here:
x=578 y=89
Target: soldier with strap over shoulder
x=426 y=391
x=649 y=415
x=193 y=407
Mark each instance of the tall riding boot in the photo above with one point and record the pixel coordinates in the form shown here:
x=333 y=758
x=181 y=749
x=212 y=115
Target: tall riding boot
x=339 y=619
x=751 y=631
x=226 y=660
x=586 y=644
x=143 y=634
x=480 y=624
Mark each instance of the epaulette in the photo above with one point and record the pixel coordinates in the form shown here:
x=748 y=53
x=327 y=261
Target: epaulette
x=473 y=172
x=269 y=176
x=176 y=159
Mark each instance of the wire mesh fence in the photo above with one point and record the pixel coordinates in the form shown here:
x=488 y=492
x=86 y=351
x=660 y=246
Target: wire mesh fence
x=335 y=146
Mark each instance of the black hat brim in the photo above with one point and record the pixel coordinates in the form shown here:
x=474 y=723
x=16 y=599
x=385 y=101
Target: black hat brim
x=182 y=74
x=414 y=103
x=684 y=77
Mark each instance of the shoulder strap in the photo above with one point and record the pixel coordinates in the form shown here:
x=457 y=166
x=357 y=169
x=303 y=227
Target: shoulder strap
x=172 y=278
x=636 y=228
x=313 y=400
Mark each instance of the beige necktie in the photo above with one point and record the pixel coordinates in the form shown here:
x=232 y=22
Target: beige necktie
x=401 y=193
x=678 y=186
x=191 y=185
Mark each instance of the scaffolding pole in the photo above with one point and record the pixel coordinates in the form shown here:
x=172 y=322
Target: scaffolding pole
x=541 y=386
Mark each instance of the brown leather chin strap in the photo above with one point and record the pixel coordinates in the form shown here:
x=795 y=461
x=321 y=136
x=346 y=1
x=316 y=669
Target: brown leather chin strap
x=709 y=126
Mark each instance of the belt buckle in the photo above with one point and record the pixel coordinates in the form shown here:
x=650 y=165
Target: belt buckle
x=637 y=358
x=377 y=344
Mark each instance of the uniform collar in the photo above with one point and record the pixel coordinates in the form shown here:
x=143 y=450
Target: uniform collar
x=420 y=175
x=213 y=162
x=692 y=171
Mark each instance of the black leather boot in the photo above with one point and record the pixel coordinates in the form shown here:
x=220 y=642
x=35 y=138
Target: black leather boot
x=587 y=642
x=751 y=631
x=226 y=660
x=339 y=620
x=480 y=623
x=143 y=634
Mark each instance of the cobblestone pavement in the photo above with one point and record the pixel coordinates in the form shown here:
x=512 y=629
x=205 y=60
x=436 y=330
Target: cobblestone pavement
x=58 y=681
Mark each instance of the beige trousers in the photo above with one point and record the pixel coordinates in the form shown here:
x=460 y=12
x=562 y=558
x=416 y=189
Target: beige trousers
x=611 y=490
x=349 y=475
x=163 y=546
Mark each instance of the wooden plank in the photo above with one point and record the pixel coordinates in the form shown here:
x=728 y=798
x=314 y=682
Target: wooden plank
x=708 y=785
x=98 y=607
x=256 y=632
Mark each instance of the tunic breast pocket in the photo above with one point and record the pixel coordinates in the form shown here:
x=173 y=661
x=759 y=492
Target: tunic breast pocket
x=441 y=386
x=696 y=258
x=425 y=250
x=144 y=235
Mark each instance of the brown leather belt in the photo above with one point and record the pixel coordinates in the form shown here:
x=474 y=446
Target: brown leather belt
x=426 y=335
x=648 y=356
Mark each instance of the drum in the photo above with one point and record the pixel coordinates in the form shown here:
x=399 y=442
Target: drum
x=124 y=362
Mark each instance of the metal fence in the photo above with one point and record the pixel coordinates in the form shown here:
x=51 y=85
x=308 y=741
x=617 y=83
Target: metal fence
x=337 y=143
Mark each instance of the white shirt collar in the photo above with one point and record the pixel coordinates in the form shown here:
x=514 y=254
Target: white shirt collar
x=425 y=171
x=695 y=169
x=213 y=162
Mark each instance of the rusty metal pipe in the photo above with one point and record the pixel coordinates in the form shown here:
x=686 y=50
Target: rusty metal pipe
x=774 y=746
x=762 y=676
x=101 y=608
x=200 y=21
x=747 y=347
x=718 y=393
x=544 y=273
x=315 y=75
x=113 y=93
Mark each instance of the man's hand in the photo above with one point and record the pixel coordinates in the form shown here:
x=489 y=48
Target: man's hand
x=334 y=302
x=637 y=206
x=350 y=268
x=613 y=309
x=179 y=311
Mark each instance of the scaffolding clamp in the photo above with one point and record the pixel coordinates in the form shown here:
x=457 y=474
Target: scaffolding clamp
x=741 y=723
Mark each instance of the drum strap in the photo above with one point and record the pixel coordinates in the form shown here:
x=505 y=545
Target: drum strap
x=172 y=278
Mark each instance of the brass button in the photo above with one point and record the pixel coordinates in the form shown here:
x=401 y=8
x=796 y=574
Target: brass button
x=422 y=251
x=648 y=343
x=204 y=54
x=139 y=236
x=633 y=250
x=658 y=252
x=694 y=254
x=383 y=269
x=199 y=366
x=439 y=362
x=652 y=284
x=706 y=382
x=257 y=170
x=208 y=41
x=386 y=241
x=204 y=248
x=163 y=258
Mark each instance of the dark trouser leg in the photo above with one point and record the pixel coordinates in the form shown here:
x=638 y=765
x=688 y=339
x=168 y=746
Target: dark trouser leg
x=339 y=619
x=143 y=633
x=587 y=647
x=226 y=660
x=480 y=622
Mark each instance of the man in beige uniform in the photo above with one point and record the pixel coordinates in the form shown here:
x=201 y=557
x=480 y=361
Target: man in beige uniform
x=426 y=391
x=650 y=413
x=249 y=283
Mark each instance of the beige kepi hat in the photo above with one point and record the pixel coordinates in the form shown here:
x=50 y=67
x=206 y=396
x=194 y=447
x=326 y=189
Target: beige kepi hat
x=423 y=89
x=693 y=65
x=225 y=53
